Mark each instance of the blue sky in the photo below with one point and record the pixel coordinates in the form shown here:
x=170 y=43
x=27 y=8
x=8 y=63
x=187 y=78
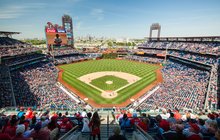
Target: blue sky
x=113 y=18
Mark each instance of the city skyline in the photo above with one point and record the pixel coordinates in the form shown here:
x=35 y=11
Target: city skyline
x=113 y=19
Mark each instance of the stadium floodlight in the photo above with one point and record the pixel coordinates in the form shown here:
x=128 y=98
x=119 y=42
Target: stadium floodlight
x=155 y=26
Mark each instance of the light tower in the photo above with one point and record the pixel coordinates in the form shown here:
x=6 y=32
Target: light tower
x=155 y=26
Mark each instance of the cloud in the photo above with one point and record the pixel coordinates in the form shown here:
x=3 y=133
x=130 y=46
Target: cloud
x=97 y=13
x=15 y=11
x=11 y=12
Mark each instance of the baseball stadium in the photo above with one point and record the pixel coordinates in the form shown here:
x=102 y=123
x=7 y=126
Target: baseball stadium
x=159 y=88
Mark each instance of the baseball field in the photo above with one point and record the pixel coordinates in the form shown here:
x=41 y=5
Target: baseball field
x=108 y=81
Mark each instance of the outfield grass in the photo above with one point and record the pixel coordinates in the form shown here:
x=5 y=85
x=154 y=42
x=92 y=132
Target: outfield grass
x=116 y=82
x=73 y=71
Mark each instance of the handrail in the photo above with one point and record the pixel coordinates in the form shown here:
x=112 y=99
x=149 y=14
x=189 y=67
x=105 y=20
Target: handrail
x=144 y=133
x=65 y=135
x=108 y=124
x=194 y=61
x=173 y=49
x=12 y=88
x=29 y=60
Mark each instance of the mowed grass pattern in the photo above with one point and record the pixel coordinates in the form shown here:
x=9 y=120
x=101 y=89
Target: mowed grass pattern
x=116 y=82
x=75 y=70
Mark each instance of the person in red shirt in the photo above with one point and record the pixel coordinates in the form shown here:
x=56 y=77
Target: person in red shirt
x=194 y=130
x=3 y=136
x=29 y=114
x=177 y=115
x=11 y=128
x=143 y=124
x=53 y=123
x=54 y=114
x=164 y=124
x=135 y=119
x=40 y=133
x=129 y=114
x=65 y=126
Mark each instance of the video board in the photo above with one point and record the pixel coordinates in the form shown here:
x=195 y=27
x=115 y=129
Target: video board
x=55 y=32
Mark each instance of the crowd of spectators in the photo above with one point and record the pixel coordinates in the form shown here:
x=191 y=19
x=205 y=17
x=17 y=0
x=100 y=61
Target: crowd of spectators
x=32 y=125
x=166 y=125
x=173 y=125
x=5 y=88
x=149 y=51
x=16 y=50
x=22 y=58
x=155 y=60
x=74 y=58
x=213 y=96
x=64 y=51
x=205 y=48
x=195 y=57
x=182 y=87
x=13 y=47
x=29 y=124
x=68 y=59
x=10 y=41
x=35 y=85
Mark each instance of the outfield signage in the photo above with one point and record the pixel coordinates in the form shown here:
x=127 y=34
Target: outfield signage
x=50 y=30
x=61 y=31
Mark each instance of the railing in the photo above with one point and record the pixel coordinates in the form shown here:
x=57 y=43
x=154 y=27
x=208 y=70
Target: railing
x=12 y=89
x=108 y=124
x=68 y=133
x=26 y=61
x=193 y=61
x=144 y=134
x=206 y=106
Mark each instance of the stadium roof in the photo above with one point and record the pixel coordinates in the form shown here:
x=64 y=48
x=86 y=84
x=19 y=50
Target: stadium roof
x=8 y=33
x=196 y=38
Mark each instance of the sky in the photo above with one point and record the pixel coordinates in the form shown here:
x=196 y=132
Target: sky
x=113 y=18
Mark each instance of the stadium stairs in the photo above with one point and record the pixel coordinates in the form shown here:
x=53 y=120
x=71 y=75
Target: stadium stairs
x=106 y=131
x=6 y=86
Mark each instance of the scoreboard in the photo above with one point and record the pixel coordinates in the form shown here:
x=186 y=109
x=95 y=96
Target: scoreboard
x=53 y=32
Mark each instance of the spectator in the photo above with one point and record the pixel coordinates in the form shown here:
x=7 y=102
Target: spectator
x=11 y=127
x=171 y=119
x=94 y=124
x=164 y=124
x=144 y=124
x=29 y=114
x=193 y=132
x=117 y=135
x=19 y=133
x=40 y=133
x=85 y=125
x=3 y=136
x=21 y=112
x=33 y=122
x=177 y=115
x=65 y=126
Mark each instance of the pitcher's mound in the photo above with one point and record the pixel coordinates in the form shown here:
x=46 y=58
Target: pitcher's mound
x=109 y=82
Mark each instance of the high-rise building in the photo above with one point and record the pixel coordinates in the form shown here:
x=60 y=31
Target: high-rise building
x=68 y=26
